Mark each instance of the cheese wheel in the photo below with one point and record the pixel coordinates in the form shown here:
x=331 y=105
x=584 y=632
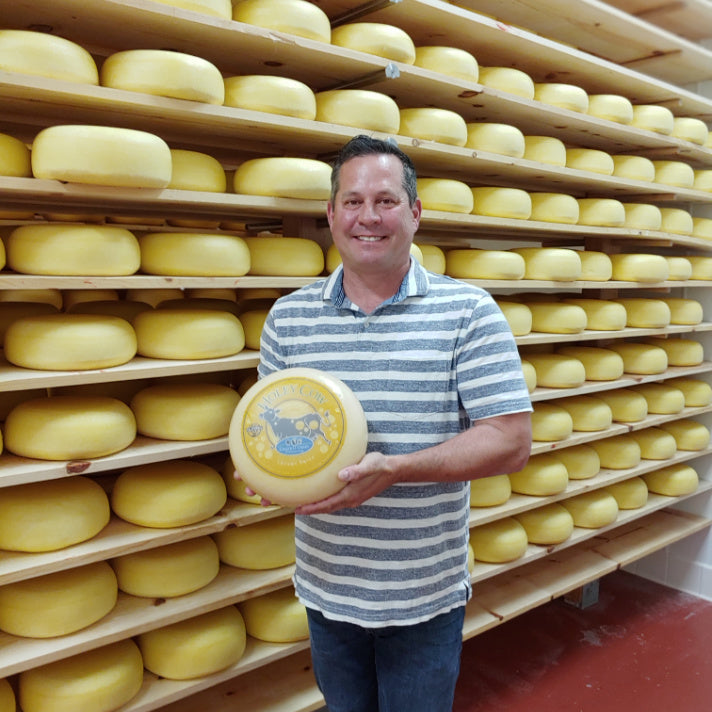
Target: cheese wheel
x=452 y=196
x=601 y=314
x=679 y=269
x=263 y=545
x=499 y=542
x=375 y=38
x=153 y=297
x=697 y=393
x=121 y=308
x=223 y=293
x=490 y=491
x=52 y=515
x=675 y=173
x=73 y=297
x=276 y=617
x=703 y=180
x=557 y=370
x=58 y=603
x=163 y=72
x=662 y=398
x=589 y=159
x=46 y=55
x=41 y=296
x=293 y=431
x=529 y=373
x=433 y=258
x=14 y=155
x=509 y=80
x=565 y=96
x=295 y=17
x=470 y=560
x=360 y=108
x=581 y=461
x=672 y=481
x=513 y=203
x=680 y=352
x=676 y=220
x=215 y=8
x=285 y=256
x=626 y=405
x=452 y=61
x=555 y=263
x=554 y=207
x=236 y=488
x=7 y=696
x=604 y=212
x=545 y=149
x=547 y=525
x=484 y=264
x=557 y=318
x=612 y=107
x=10 y=399
x=284 y=177
x=543 y=475
x=72 y=428
x=430 y=124
x=655 y=443
x=642 y=216
x=12 y=311
x=592 y=510
x=652 y=117
x=690 y=129
x=701 y=267
x=170 y=570
x=629 y=494
x=619 y=452
x=633 y=168
x=688 y=434
x=644 y=312
x=195 y=647
x=550 y=422
x=595 y=266
x=96 y=250
x=168 y=494
x=588 y=414
x=99 y=679
x=193 y=170
x=518 y=316
x=644 y=359
x=502 y=139
x=633 y=267
x=600 y=364
x=684 y=311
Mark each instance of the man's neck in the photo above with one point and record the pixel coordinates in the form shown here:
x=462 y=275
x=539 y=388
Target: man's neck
x=368 y=290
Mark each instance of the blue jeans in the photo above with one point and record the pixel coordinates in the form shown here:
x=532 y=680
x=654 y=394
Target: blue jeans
x=410 y=668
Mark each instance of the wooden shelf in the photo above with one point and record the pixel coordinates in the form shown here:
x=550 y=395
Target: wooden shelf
x=540 y=337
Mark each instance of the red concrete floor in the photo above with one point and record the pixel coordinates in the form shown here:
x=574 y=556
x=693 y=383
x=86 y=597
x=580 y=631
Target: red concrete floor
x=642 y=647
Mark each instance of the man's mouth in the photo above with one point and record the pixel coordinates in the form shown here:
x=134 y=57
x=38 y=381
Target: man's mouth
x=369 y=238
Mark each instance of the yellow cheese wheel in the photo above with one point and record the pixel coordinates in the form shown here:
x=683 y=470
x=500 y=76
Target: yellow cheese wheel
x=626 y=405
x=58 y=603
x=14 y=155
x=677 y=173
x=645 y=312
x=529 y=375
x=557 y=370
x=642 y=216
x=604 y=212
x=652 y=117
x=557 y=317
x=662 y=398
x=581 y=461
x=7 y=696
x=71 y=428
x=433 y=258
x=513 y=203
x=431 y=124
x=74 y=297
x=555 y=263
x=672 y=481
x=168 y=494
x=680 y=352
x=502 y=139
x=360 y=108
x=490 y=491
x=236 y=488
x=470 y=559
x=554 y=207
x=499 y=542
x=296 y=17
x=215 y=8
x=655 y=443
x=252 y=322
x=293 y=431
x=164 y=73
x=697 y=393
x=633 y=167
x=690 y=129
x=51 y=515
x=592 y=510
x=12 y=311
x=601 y=314
x=46 y=55
x=619 y=452
x=600 y=364
x=170 y=570
x=121 y=308
x=376 y=38
x=271 y=94
x=10 y=399
x=41 y=296
x=446 y=194
x=550 y=422
x=565 y=96
x=484 y=264
x=595 y=266
x=518 y=316
x=452 y=61
x=679 y=269
x=588 y=414
x=676 y=220
x=263 y=545
x=643 y=359
x=285 y=256
x=634 y=267
x=545 y=149
x=589 y=159
x=509 y=80
x=612 y=107
x=703 y=180
x=284 y=177
x=96 y=250
x=688 y=434
x=684 y=311
x=629 y=494
x=543 y=475
x=194 y=170
x=195 y=647
x=547 y=525
x=104 y=678
x=276 y=617
x=701 y=267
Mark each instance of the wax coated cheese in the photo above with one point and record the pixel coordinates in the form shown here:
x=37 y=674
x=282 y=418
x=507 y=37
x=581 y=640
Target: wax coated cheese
x=652 y=117
x=503 y=139
x=499 y=542
x=484 y=264
x=557 y=370
x=642 y=359
x=545 y=149
x=285 y=256
x=680 y=352
x=360 y=108
x=589 y=159
x=626 y=405
x=688 y=434
x=236 y=488
x=677 y=173
x=588 y=414
x=529 y=373
x=12 y=311
x=701 y=267
x=690 y=129
x=595 y=266
x=276 y=617
x=679 y=269
x=431 y=124
x=645 y=312
x=581 y=461
x=268 y=544
x=676 y=221
x=557 y=317
x=271 y=94
x=513 y=203
x=619 y=452
x=452 y=61
x=642 y=216
x=603 y=212
x=509 y=80
x=490 y=491
x=41 y=296
x=703 y=180
x=295 y=17
x=445 y=194
x=655 y=443
x=7 y=696
x=14 y=157
x=592 y=510
x=612 y=107
x=543 y=475
x=433 y=258
x=555 y=263
x=518 y=316
x=639 y=267
x=629 y=494
x=697 y=393
x=554 y=207
x=672 y=481
x=547 y=525
x=284 y=177
x=633 y=167
x=194 y=170
x=601 y=314
x=684 y=311
x=599 y=363
x=550 y=422
x=377 y=38
x=565 y=96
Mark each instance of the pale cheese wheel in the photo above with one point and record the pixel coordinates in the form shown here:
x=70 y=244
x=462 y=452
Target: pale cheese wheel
x=592 y=510
x=557 y=370
x=121 y=308
x=588 y=414
x=236 y=488
x=644 y=312
x=601 y=314
x=529 y=373
x=195 y=647
x=285 y=256
x=629 y=494
x=557 y=317
x=252 y=323
x=215 y=8
x=73 y=297
x=499 y=542
x=433 y=258
x=12 y=311
x=376 y=38
x=154 y=297
x=701 y=267
x=634 y=267
x=484 y=264
x=655 y=443
x=518 y=316
x=626 y=405
x=676 y=220
x=490 y=491
x=276 y=617
x=14 y=155
x=684 y=311
x=543 y=475
x=284 y=177
x=662 y=398
x=162 y=72
x=595 y=266
x=52 y=515
x=103 y=679
x=619 y=452
x=509 y=80
x=58 y=603
x=550 y=422
x=194 y=170
x=445 y=194
x=641 y=359
x=690 y=129
x=10 y=399
x=697 y=393
x=652 y=117
x=513 y=203
x=291 y=452
x=680 y=352
x=642 y=216
x=470 y=562
x=46 y=55
x=633 y=168
x=72 y=428
x=7 y=696
x=295 y=17
x=675 y=173
x=672 y=481
x=589 y=159
x=547 y=525
x=225 y=293
x=688 y=434
x=581 y=461
x=554 y=207
x=41 y=296
x=565 y=96
x=452 y=61
x=263 y=545
x=432 y=124
x=170 y=570
x=703 y=180
x=92 y=250
x=599 y=363
x=612 y=107
x=545 y=149
x=603 y=212
x=168 y=494
x=360 y=108
x=679 y=270
x=502 y=139
x=550 y=263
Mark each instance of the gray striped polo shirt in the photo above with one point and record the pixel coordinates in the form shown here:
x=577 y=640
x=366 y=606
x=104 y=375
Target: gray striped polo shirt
x=425 y=365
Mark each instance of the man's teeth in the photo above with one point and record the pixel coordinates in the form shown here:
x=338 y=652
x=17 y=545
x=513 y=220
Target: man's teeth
x=369 y=238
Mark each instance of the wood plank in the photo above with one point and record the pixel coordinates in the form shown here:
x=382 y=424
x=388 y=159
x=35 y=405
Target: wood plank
x=687 y=18
x=507 y=596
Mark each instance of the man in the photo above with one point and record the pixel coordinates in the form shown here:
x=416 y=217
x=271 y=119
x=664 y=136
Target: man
x=382 y=564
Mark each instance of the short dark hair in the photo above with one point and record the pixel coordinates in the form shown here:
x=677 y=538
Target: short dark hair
x=363 y=145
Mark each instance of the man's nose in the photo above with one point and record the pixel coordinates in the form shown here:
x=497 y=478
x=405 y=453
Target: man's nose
x=369 y=212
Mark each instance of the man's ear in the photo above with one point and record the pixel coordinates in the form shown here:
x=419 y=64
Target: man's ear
x=417 y=212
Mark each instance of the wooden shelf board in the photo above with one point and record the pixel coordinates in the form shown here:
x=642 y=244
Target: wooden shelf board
x=687 y=18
